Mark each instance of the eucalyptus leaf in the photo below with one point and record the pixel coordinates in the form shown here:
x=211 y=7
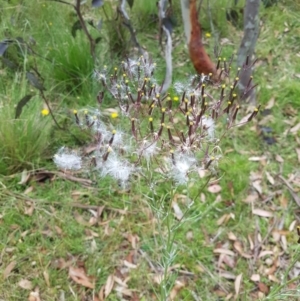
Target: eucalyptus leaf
x=130 y=3
x=97 y=40
x=97 y=3
x=21 y=104
x=3 y=46
x=76 y=26
x=8 y=63
x=35 y=81
x=99 y=24
x=167 y=22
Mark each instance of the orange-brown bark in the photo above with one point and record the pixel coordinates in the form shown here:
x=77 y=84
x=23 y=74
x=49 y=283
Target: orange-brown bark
x=198 y=55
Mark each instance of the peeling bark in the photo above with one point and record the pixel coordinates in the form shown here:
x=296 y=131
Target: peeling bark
x=162 y=7
x=251 y=32
x=192 y=28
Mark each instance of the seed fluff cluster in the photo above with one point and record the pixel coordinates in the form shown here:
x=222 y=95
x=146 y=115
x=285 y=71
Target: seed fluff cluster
x=173 y=135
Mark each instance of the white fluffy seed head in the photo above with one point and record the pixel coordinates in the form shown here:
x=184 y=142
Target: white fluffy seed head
x=181 y=166
x=120 y=170
x=148 y=150
x=66 y=159
x=209 y=124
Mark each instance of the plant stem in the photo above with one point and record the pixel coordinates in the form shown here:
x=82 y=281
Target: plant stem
x=50 y=110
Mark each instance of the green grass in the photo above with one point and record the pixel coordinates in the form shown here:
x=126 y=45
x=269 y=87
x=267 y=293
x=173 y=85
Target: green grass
x=46 y=221
x=23 y=143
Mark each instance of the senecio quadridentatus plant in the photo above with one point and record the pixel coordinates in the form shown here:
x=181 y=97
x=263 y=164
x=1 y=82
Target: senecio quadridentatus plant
x=175 y=136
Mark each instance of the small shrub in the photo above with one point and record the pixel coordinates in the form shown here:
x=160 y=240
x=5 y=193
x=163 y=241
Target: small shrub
x=174 y=137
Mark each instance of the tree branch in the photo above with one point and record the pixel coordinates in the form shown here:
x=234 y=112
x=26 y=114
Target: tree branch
x=126 y=22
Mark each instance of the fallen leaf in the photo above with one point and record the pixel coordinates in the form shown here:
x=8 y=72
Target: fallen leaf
x=283 y=242
x=202 y=172
x=79 y=276
x=46 y=277
x=256 y=159
x=225 y=41
x=179 y=285
x=270 y=103
x=231 y=236
x=292 y=225
x=262 y=213
x=237 y=285
x=291 y=190
x=273 y=278
x=25 y=284
x=255 y=277
x=276 y=235
x=283 y=200
x=189 y=235
x=264 y=253
x=29 y=208
x=34 y=296
x=60 y=263
x=227 y=275
x=257 y=186
x=158 y=278
x=244 y=120
x=296 y=128
x=279 y=159
x=263 y=288
x=239 y=247
x=129 y=264
x=223 y=219
x=109 y=285
x=250 y=242
x=224 y=251
x=298 y=154
x=24 y=177
x=215 y=188
x=251 y=198
x=228 y=260
x=80 y=220
x=177 y=211
x=270 y=178
x=58 y=230
x=8 y=269
x=28 y=190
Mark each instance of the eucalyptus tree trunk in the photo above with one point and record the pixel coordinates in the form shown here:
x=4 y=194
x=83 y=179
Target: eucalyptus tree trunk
x=187 y=24
x=162 y=8
x=246 y=50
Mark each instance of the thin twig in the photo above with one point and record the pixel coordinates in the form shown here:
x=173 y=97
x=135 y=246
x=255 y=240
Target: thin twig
x=126 y=22
x=291 y=190
x=50 y=110
x=83 y=25
x=77 y=8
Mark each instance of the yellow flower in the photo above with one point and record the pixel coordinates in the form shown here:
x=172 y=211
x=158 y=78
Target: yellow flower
x=208 y=35
x=114 y=115
x=45 y=112
x=175 y=98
